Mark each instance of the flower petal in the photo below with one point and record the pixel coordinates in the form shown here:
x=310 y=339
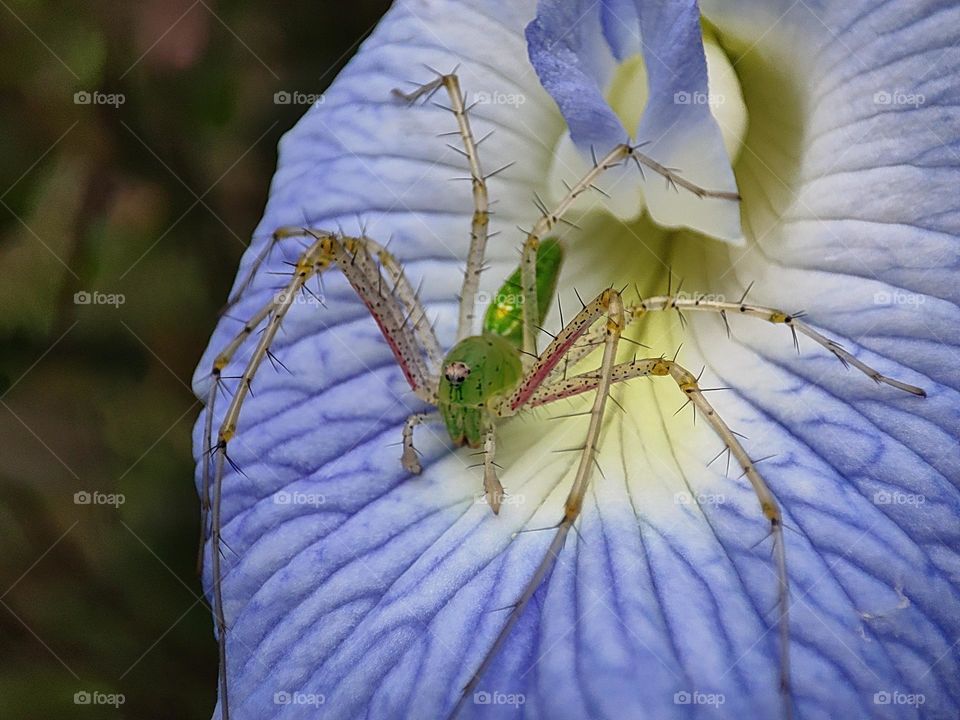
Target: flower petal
x=575 y=47
x=851 y=213
x=376 y=593
x=682 y=132
x=574 y=61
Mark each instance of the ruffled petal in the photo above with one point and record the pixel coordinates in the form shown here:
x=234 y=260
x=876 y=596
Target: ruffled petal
x=575 y=47
x=574 y=62
x=678 y=123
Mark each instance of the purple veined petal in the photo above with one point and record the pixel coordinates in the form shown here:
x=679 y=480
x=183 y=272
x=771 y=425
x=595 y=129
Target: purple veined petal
x=575 y=47
x=681 y=130
x=849 y=207
x=574 y=61
x=355 y=590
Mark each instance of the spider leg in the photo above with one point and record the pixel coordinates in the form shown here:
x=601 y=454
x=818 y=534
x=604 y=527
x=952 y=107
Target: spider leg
x=687 y=382
x=675 y=179
x=279 y=235
x=479 y=227
x=393 y=305
x=401 y=289
x=549 y=219
x=610 y=304
x=558 y=386
x=772 y=316
x=414 y=313
x=216 y=384
x=700 y=303
x=570 y=337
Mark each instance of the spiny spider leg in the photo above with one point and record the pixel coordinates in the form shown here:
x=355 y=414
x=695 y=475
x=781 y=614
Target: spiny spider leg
x=258 y=261
x=409 y=298
x=773 y=316
x=576 y=341
x=224 y=358
x=687 y=382
x=548 y=220
x=392 y=304
x=664 y=303
x=283 y=233
x=608 y=303
x=401 y=289
x=558 y=348
x=480 y=224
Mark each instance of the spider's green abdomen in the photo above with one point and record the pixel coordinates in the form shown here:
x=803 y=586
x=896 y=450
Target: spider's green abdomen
x=476 y=370
x=504 y=316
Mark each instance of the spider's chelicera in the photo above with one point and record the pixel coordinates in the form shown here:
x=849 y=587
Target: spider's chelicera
x=494 y=375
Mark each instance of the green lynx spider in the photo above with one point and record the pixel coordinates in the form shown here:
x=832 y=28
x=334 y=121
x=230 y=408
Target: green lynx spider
x=485 y=378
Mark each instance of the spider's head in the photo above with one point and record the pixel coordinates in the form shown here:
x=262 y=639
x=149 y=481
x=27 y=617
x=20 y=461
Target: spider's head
x=456 y=372
x=476 y=371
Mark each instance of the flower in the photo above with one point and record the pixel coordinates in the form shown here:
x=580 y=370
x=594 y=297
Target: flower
x=379 y=593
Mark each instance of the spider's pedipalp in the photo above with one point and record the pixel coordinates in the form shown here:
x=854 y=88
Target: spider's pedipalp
x=409 y=459
x=492 y=489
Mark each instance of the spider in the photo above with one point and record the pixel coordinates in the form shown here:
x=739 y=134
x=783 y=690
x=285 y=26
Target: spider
x=499 y=373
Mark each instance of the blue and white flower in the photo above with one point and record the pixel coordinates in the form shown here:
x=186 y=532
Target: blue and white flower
x=353 y=588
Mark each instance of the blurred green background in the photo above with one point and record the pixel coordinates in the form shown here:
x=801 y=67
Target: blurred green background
x=150 y=201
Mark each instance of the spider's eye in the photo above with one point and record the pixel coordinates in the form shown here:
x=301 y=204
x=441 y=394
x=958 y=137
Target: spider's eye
x=456 y=372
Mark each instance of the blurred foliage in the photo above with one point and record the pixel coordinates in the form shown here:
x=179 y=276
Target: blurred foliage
x=152 y=199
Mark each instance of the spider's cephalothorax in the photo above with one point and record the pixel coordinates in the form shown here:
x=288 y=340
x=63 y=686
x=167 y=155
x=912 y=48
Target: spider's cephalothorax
x=492 y=376
x=478 y=370
x=481 y=369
